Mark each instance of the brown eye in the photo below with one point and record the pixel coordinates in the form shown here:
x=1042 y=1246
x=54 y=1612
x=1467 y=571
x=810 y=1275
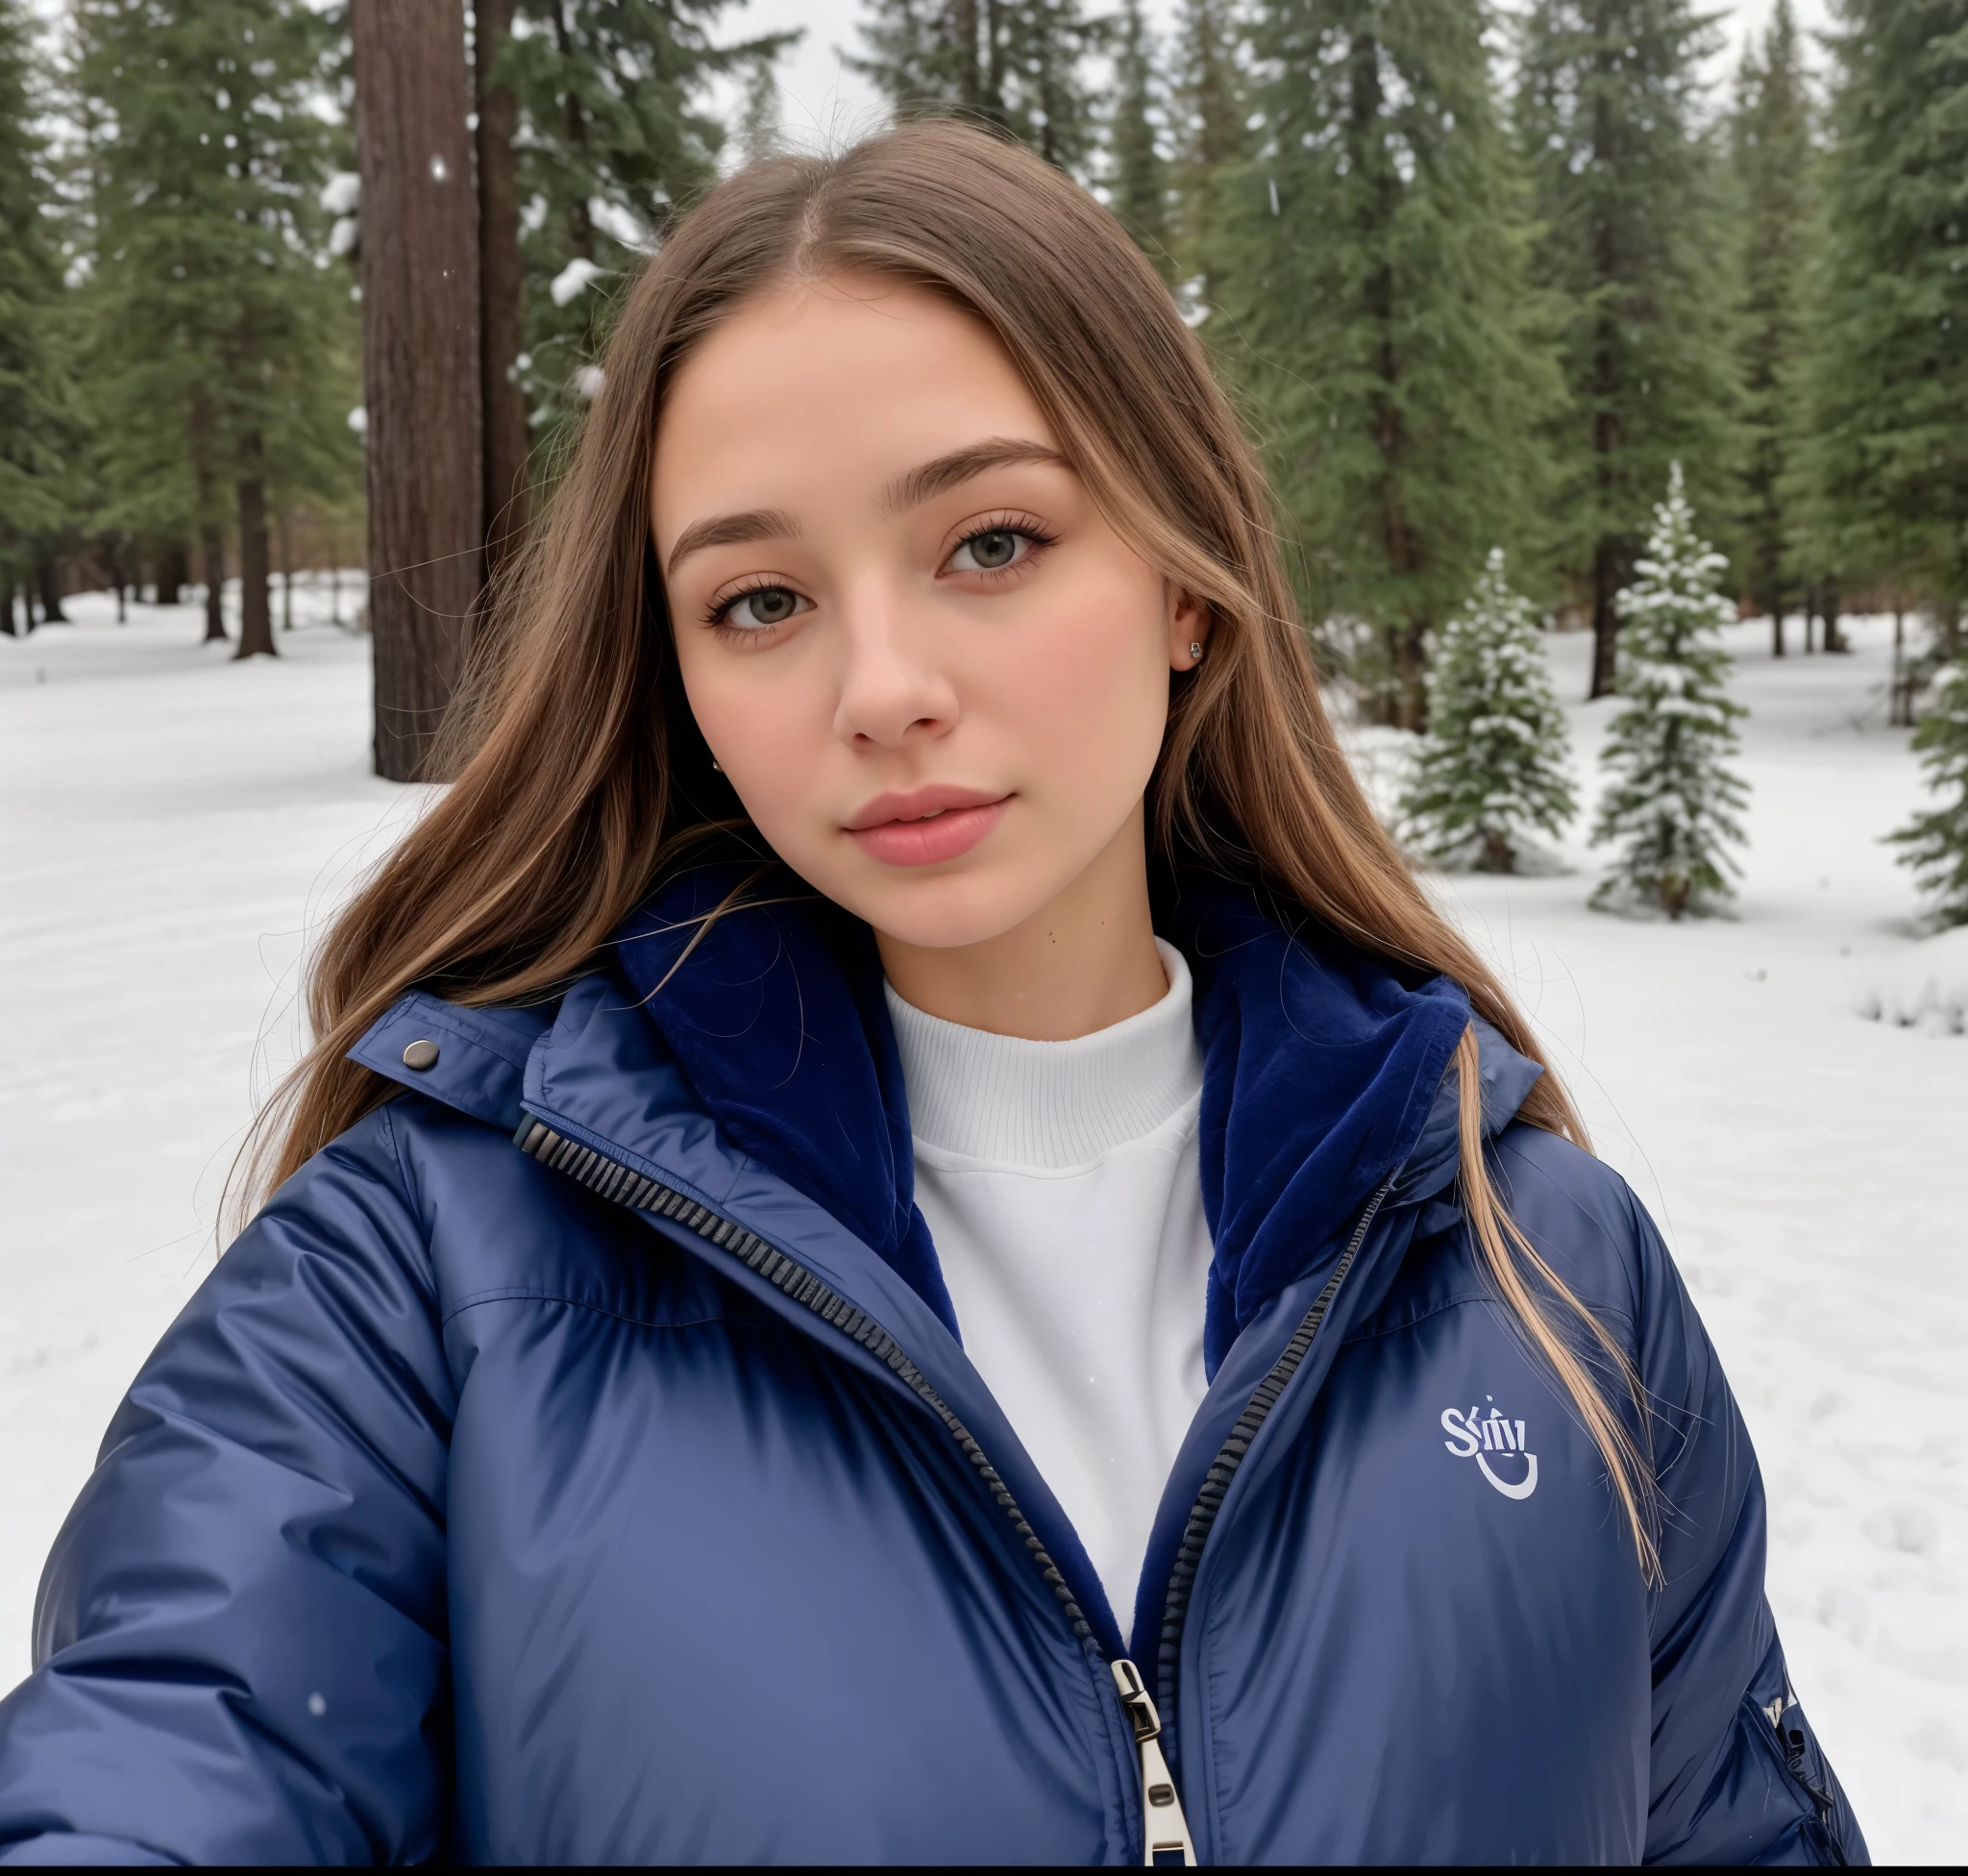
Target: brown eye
x=769 y=606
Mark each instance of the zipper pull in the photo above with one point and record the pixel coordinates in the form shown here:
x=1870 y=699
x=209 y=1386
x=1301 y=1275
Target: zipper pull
x=1165 y=1830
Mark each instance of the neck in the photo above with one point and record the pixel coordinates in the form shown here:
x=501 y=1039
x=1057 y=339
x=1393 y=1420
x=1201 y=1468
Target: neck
x=1084 y=962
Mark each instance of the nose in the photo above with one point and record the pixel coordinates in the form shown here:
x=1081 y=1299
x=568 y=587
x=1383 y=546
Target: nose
x=893 y=689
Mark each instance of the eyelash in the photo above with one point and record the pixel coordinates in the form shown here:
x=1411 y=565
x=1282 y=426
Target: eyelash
x=718 y=616
x=1025 y=525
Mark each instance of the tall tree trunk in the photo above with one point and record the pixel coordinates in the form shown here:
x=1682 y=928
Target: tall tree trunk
x=174 y=574
x=1410 y=670
x=1777 y=646
x=211 y=544
x=256 y=600
x=212 y=548
x=1834 y=637
x=48 y=577
x=113 y=554
x=1605 y=620
x=286 y=534
x=1902 y=679
x=7 y=623
x=420 y=365
x=500 y=277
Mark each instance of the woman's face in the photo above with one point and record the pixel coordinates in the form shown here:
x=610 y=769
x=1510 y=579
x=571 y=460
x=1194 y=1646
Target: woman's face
x=935 y=676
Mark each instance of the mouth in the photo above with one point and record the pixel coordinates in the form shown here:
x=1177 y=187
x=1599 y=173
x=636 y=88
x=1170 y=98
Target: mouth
x=926 y=825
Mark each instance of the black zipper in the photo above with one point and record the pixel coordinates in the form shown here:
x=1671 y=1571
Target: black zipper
x=610 y=1179
x=626 y=1186
x=1209 y=1501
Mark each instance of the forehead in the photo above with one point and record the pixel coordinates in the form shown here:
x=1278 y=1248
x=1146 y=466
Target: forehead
x=822 y=388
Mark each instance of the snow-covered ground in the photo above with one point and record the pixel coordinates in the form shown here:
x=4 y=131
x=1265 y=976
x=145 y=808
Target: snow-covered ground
x=171 y=825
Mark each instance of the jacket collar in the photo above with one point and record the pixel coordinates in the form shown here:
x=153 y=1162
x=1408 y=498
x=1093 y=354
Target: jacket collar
x=1326 y=1074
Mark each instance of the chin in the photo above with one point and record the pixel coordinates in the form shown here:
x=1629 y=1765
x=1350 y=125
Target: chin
x=947 y=913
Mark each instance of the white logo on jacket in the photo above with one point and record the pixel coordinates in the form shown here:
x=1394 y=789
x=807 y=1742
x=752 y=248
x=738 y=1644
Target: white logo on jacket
x=1471 y=1436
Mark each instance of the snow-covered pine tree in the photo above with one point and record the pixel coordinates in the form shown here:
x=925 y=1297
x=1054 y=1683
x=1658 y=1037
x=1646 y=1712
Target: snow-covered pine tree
x=1492 y=771
x=1936 y=841
x=1671 y=802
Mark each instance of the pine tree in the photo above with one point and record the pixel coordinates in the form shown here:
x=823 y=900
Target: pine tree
x=1887 y=462
x=1372 y=279
x=1671 y=802
x=1138 y=181
x=31 y=394
x=1212 y=132
x=1015 y=64
x=1936 y=840
x=1608 y=114
x=1492 y=771
x=614 y=137
x=1774 y=158
x=934 y=58
x=217 y=343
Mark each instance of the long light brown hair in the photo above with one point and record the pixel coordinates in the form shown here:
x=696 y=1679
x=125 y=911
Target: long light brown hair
x=580 y=776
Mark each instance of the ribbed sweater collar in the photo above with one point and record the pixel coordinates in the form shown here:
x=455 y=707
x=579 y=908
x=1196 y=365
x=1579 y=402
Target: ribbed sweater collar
x=1049 y=1105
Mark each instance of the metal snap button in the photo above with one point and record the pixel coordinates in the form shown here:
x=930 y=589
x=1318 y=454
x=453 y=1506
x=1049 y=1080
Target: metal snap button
x=421 y=1055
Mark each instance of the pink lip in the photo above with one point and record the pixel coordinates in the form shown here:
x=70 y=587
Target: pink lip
x=927 y=825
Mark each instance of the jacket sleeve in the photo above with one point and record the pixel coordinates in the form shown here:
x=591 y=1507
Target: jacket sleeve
x=239 y=1643
x=1736 y=1773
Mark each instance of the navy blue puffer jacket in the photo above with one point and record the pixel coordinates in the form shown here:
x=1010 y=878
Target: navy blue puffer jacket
x=578 y=1461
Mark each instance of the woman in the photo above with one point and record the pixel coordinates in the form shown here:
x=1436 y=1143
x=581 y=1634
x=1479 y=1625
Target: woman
x=895 y=1247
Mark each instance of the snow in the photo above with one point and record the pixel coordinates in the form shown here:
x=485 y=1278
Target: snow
x=175 y=823
x=573 y=280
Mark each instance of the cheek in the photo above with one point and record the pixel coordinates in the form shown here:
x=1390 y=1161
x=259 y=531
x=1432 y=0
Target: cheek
x=1083 y=693
x=766 y=727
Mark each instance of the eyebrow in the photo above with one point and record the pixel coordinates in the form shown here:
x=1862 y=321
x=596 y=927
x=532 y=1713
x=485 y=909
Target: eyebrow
x=947 y=472
x=729 y=530
x=909 y=491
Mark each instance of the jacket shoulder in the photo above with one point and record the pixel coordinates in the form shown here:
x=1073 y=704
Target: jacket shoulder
x=1583 y=1218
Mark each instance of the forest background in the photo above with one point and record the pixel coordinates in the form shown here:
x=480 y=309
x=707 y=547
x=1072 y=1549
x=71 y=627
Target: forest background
x=1479 y=276
x=1492 y=310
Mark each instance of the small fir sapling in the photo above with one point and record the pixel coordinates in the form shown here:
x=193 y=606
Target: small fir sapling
x=1492 y=770
x=1670 y=803
x=1936 y=841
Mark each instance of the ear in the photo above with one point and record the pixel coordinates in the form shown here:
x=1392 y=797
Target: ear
x=1188 y=630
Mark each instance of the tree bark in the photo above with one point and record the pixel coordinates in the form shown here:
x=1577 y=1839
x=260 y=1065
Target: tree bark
x=48 y=577
x=174 y=574
x=286 y=535
x=212 y=550
x=212 y=546
x=420 y=365
x=7 y=623
x=1777 y=646
x=1605 y=620
x=500 y=336
x=255 y=604
x=1834 y=638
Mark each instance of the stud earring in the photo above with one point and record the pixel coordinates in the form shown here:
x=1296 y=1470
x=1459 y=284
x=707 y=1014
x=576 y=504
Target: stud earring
x=1195 y=651
x=717 y=767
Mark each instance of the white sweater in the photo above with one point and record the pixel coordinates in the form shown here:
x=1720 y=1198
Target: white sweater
x=1060 y=1183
